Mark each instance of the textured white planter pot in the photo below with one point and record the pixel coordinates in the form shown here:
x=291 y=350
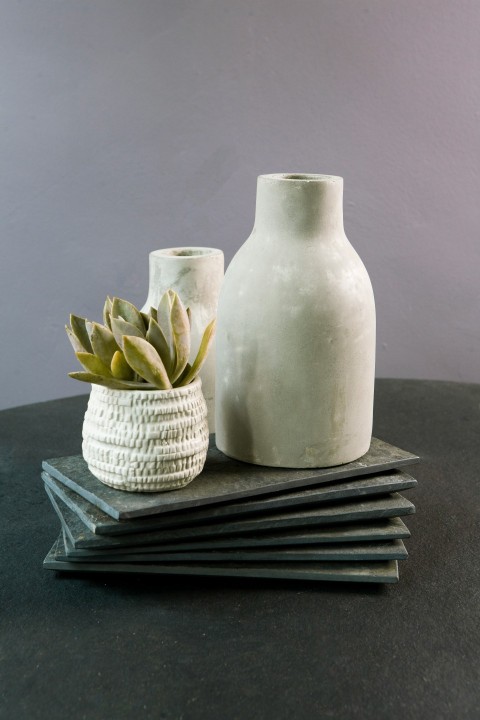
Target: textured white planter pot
x=146 y=440
x=196 y=274
x=296 y=333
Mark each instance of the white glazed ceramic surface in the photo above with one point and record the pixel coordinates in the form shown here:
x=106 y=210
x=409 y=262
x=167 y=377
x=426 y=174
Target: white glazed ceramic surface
x=196 y=274
x=296 y=333
x=146 y=440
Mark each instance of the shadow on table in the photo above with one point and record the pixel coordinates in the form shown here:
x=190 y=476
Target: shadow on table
x=146 y=584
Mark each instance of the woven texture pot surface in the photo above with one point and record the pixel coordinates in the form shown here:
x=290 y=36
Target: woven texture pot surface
x=146 y=440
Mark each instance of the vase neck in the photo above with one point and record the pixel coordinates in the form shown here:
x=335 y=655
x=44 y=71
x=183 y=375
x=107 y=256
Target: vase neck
x=294 y=205
x=195 y=273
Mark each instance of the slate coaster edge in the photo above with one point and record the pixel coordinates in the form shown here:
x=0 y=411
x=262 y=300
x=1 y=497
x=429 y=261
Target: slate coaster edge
x=390 y=570
x=341 y=472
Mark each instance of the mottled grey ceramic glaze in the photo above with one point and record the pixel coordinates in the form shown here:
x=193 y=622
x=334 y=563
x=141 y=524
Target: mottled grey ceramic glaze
x=296 y=333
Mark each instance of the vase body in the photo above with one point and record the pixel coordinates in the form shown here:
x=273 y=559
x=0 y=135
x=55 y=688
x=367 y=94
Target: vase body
x=146 y=440
x=296 y=333
x=196 y=274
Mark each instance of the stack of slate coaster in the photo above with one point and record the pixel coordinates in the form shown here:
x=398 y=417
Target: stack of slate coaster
x=235 y=519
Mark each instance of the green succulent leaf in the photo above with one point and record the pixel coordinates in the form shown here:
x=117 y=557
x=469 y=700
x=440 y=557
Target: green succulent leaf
x=146 y=362
x=107 y=312
x=164 y=319
x=79 y=329
x=120 y=368
x=145 y=318
x=93 y=364
x=75 y=342
x=138 y=350
x=156 y=338
x=179 y=381
x=103 y=342
x=121 y=327
x=164 y=311
x=205 y=344
x=110 y=382
x=181 y=335
x=125 y=310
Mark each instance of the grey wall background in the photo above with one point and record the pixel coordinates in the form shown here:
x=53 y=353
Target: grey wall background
x=129 y=126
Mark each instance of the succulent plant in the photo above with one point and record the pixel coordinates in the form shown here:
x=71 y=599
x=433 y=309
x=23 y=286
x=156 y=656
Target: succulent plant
x=134 y=350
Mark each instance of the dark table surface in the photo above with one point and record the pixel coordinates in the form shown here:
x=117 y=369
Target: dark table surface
x=111 y=646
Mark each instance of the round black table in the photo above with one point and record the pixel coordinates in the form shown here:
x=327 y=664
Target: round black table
x=104 y=646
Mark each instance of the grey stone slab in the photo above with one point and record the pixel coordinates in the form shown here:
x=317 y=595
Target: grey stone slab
x=223 y=479
x=374 y=571
x=381 y=530
x=338 y=552
x=99 y=522
x=393 y=505
x=69 y=521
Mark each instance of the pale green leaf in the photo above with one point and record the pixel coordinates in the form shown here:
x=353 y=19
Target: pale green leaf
x=103 y=342
x=120 y=328
x=181 y=335
x=78 y=325
x=146 y=362
x=164 y=312
x=110 y=382
x=164 y=319
x=156 y=337
x=75 y=342
x=120 y=368
x=107 y=312
x=93 y=364
x=125 y=310
x=179 y=381
x=205 y=344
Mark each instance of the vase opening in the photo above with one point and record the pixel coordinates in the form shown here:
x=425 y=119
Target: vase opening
x=186 y=252
x=301 y=176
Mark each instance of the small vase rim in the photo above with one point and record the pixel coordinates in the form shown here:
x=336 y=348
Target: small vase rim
x=186 y=253
x=301 y=177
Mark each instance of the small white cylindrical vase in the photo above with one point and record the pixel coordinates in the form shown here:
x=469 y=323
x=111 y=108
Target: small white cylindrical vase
x=196 y=274
x=146 y=440
x=296 y=333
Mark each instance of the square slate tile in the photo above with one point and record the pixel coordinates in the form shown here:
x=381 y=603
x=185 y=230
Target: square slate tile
x=375 y=571
x=375 y=530
x=223 y=479
x=336 y=552
x=393 y=505
x=100 y=523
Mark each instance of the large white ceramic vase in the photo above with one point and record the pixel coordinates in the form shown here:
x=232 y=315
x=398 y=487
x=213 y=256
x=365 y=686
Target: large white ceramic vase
x=196 y=274
x=296 y=333
x=146 y=440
